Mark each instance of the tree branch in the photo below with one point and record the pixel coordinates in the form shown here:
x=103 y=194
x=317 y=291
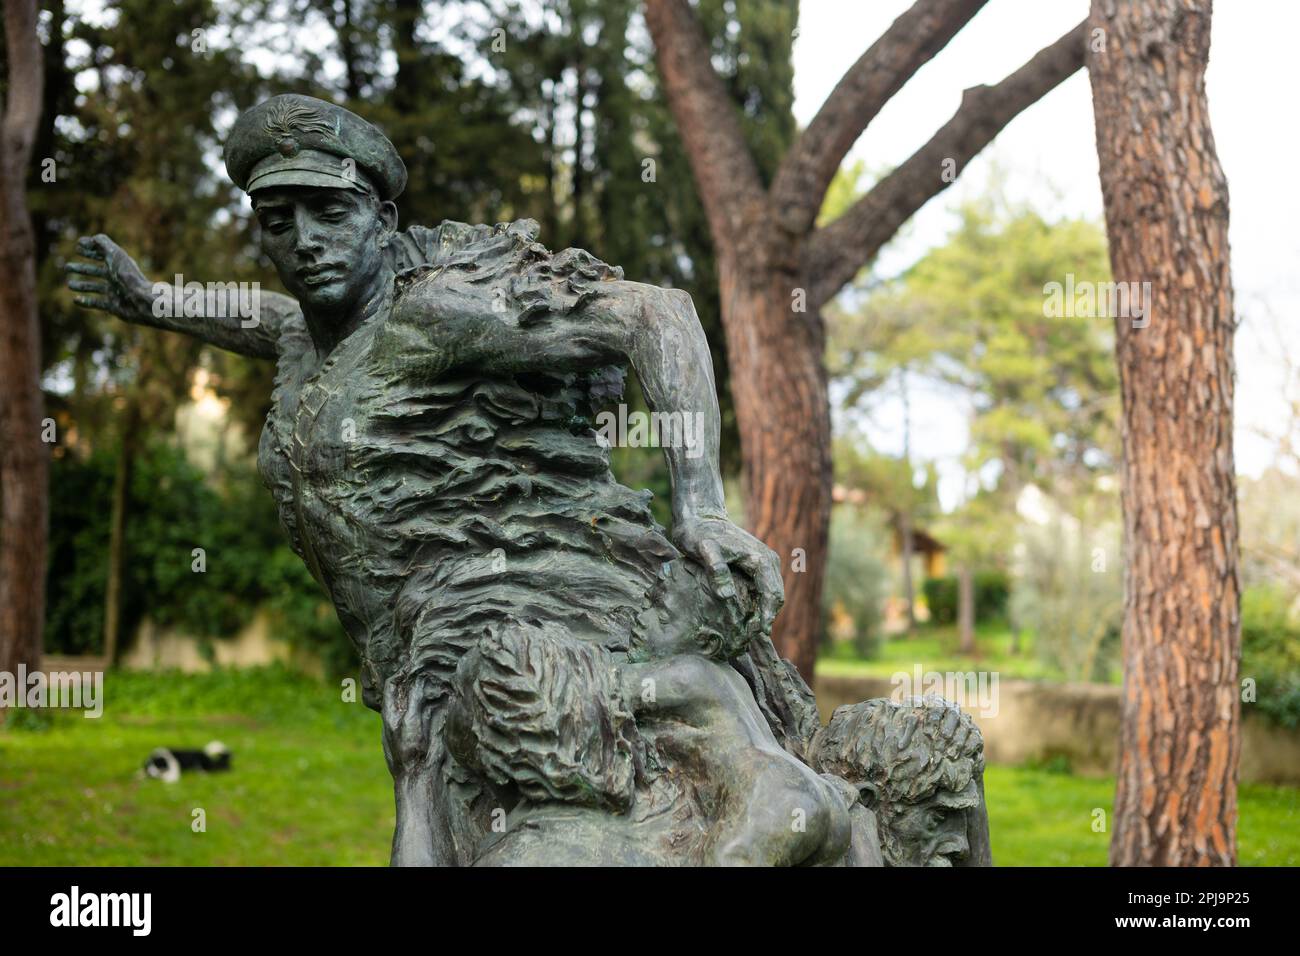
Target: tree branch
x=835 y=253
x=725 y=172
x=910 y=42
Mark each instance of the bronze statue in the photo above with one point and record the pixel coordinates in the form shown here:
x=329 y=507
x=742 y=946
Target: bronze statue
x=559 y=681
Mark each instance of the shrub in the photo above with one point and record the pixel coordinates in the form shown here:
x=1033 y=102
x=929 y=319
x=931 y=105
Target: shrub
x=941 y=599
x=856 y=576
x=992 y=594
x=1270 y=652
x=173 y=510
x=1071 y=600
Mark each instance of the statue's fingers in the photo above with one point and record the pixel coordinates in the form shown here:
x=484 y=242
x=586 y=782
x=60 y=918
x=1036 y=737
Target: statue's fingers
x=94 y=302
x=89 y=247
x=389 y=705
x=772 y=592
x=88 y=269
x=82 y=285
x=720 y=574
x=765 y=568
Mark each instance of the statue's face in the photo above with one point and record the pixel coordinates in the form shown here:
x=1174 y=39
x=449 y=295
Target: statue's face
x=325 y=243
x=937 y=831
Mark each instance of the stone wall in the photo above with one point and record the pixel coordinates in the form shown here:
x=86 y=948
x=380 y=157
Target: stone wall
x=254 y=646
x=1036 y=722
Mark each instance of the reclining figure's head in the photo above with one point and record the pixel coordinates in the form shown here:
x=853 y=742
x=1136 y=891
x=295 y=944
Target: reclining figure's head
x=919 y=765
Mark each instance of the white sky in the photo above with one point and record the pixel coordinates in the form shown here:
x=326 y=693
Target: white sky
x=1048 y=156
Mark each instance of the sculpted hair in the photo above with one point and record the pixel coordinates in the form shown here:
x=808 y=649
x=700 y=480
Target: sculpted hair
x=901 y=752
x=540 y=710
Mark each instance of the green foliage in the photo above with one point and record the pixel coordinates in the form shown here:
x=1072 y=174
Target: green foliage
x=172 y=510
x=1070 y=593
x=1270 y=652
x=992 y=590
x=889 y=482
x=856 y=576
x=941 y=599
x=938 y=648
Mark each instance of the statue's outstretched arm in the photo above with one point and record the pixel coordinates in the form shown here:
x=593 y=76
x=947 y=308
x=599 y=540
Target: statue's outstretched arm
x=229 y=318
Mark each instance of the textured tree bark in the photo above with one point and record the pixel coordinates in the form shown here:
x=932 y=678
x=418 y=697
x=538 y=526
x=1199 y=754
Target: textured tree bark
x=777 y=271
x=1166 y=202
x=779 y=392
x=24 y=457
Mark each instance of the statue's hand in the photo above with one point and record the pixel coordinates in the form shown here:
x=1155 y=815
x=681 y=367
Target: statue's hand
x=407 y=717
x=115 y=281
x=720 y=547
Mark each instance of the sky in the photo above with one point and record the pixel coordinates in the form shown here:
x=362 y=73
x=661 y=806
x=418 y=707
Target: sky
x=1048 y=156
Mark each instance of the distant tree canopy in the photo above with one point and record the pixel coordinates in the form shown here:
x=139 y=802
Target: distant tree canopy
x=972 y=317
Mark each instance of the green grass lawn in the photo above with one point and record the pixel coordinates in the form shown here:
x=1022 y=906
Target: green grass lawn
x=309 y=785
x=936 y=649
x=1038 y=817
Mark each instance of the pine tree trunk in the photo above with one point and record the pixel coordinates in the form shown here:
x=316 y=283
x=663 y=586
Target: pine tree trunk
x=24 y=455
x=768 y=246
x=778 y=386
x=1166 y=202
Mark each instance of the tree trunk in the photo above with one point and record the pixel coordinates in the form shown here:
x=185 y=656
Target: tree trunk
x=768 y=247
x=905 y=522
x=117 y=531
x=905 y=531
x=1166 y=203
x=966 y=608
x=783 y=416
x=24 y=455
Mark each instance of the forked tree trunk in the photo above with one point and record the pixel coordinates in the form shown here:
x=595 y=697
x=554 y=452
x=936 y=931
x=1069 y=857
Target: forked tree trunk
x=773 y=258
x=778 y=388
x=24 y=455
x=1166 y=203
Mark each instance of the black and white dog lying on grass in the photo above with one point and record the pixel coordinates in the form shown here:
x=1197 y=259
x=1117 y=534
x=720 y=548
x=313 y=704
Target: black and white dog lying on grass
x=166 y=763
